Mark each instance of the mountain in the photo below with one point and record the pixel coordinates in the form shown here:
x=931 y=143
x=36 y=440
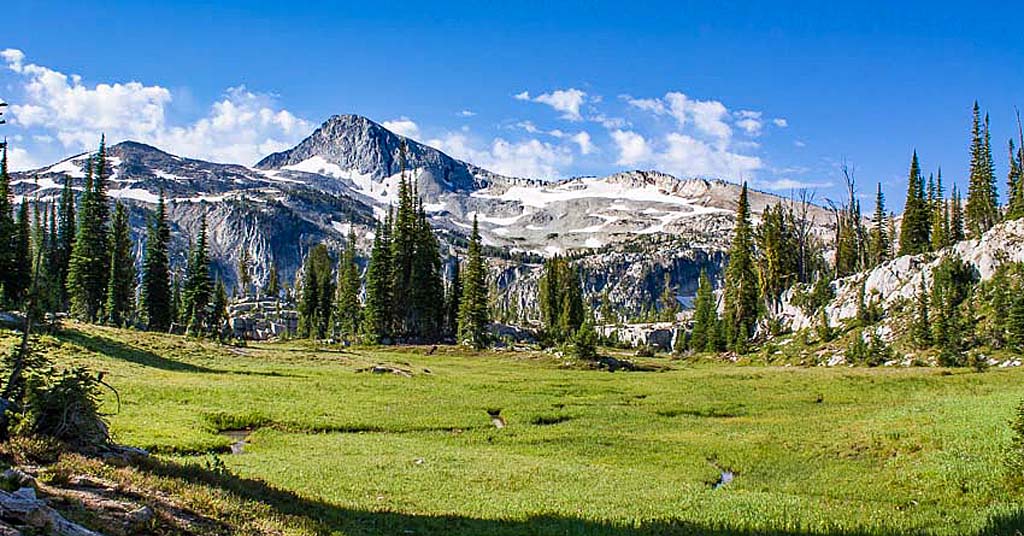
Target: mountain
x=629 y=229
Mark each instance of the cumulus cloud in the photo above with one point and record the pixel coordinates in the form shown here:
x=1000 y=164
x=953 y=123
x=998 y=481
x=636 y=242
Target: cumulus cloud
x=633 y=148
x=466 y=113
x=567 y=101
x=403 y=127
x=526 y=158
x=241 y=127
x=780 y=122
x=750 y=122
x=582 y=139
x=18 y=159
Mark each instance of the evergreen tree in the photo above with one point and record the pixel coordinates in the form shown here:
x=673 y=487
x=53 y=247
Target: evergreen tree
x=1015 y=183
x=920 y=327
x=156 y=271
x=452 y=299
x=217 y=322
x=198 y=286
x=8 y=232
x=982 y=211
x=45 y=298
x=317 y=294
x=777 y=266
x=377 y=311
x=851 y=254
x=473 y=313
x=940 y=217
x=65 y=238
x=703 y=337
x=916 y=223
x=561 y=299
x=88 y=269
x=273 y=287
x=1015 y=322
x=951 y=283
x=244 y=274
x=879 y=246
x=426 y=307
x=741 y=292
x=347 y=308
x=121 y=279
x=177 y=305
x=20 y=278
x=956 y=218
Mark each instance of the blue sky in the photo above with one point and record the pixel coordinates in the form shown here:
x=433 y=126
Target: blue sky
x=775 y=93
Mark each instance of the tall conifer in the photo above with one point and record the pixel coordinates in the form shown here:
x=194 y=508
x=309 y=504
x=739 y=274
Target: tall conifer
x=473 y=312
x=741 y=291
x=981 y=211
x=121 y=278
x=156 y=271
x=916 y=224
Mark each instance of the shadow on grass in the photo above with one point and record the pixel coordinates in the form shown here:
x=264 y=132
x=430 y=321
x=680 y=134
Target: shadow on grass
x=118 y=350
x=331 y=519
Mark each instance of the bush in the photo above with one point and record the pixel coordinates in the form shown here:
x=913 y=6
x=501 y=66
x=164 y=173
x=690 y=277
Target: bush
x=584 y=342
x=858 y=351
x=64 y=405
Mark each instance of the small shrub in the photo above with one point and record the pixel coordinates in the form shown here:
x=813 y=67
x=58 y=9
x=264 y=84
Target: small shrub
x=950 y=356
x=977 y=361
x=64 y=405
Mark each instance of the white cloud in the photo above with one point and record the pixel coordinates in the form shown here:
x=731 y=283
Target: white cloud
x=799 y=143
x=582 y=139
x=567 y=101
x=242 y=127
x=750 y=122
x=790 y=184
x=780 y=122
x=403 y=126
x=466 y=113
x=527 y=158
x=18 y=159
x=633 y=148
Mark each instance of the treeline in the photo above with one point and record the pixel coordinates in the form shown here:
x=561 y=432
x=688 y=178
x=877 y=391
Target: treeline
x=406 y=299
x=81 y=256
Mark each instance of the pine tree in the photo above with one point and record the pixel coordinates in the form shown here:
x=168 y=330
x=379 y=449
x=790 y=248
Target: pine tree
x=956 y=218
x=88 y=270
x=741 y=292
x=982 y=211
x=20 y=278
x=45 y=298
x=8 y=232
x=377 y=311
x=217 y=323
x=473 y=314
x=777 y=266
x=703 y=337
x=65 y=238
x=177 y=305
x=156 y=271
x=1015 y=183
x=317 y=297
x=244 y=274
x=940 y=220
x=452 y=299
x=920 y=327
x=851 y=253
x=1015 y=322
x=426 y=311
x=273 y=287
x=561 y=299
x=916 y=223
x=198 y=286
x=879 y=246
x=347 y=309
x=121 y=279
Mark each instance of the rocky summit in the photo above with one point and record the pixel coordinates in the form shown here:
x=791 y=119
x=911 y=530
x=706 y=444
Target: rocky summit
x=630 y=230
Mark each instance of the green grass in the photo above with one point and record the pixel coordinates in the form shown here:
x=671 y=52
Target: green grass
x=884 y=451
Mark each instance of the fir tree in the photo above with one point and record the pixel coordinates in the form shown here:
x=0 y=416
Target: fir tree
x=956 y=218
x=920 y=327
x=703 y=337
x=879 y=246
x=20 y=278
x=156 y=271
x=561 y=300
x=88 y=269
x=850 y=237
x=1015 y=183
x=121 y=279
x=347 y=309
x=741 y=292
x=8 y=232
x=940 y=217
x=982 y=211
x=916 y=223
x=65 y=238
x=377 y=310
x=452 y=299
x=273 y=287
x=1015 y=322
x=951 y=283
x=317 y=294
x=217 y=322
x=776 y=264
x=198 y=286
x=473 y=314
x=243 y=273
x=426 y=307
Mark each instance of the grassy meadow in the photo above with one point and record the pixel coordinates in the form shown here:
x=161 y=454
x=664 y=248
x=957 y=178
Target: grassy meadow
x=336 y=449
